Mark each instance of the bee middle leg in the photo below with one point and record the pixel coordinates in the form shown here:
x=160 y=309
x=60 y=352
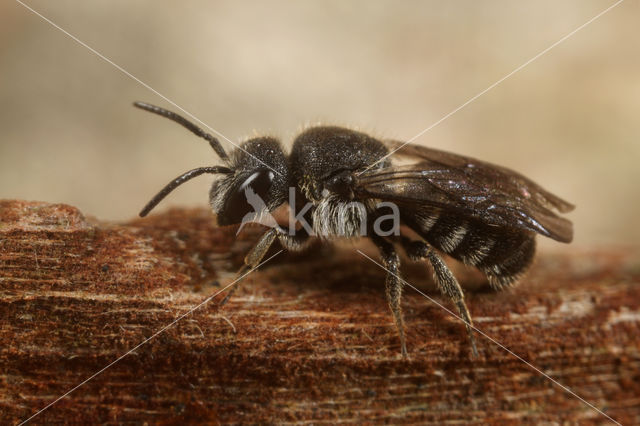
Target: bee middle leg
x=445 y=280
x=393 y=285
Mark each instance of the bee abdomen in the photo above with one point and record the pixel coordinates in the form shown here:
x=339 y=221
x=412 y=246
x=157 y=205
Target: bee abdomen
x=444 y=232
x=507 y=271
x=502 y=254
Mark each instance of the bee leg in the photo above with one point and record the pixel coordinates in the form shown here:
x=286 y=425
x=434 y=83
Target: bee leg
x=253 y=258
x=393 y=285
x=255 y=255
x=446 y=282
x=296 y=242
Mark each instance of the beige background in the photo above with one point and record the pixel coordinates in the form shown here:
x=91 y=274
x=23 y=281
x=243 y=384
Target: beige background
x=569 y=120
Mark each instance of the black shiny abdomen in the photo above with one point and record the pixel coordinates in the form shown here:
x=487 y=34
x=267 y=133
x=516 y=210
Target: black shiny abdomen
x=503 y=254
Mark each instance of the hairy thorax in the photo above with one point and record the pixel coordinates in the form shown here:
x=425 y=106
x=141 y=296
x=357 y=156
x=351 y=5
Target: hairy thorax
x=334 y=217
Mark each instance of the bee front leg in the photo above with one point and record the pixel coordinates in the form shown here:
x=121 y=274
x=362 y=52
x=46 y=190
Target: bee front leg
x=256 y=254
x=393 y=285
x=252 y=259
x=446 y=282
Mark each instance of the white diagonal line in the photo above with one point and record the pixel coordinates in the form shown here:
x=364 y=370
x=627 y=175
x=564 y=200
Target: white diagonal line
x=133 y=77
x=151 y=337
x=533 y=367
x=495 y=84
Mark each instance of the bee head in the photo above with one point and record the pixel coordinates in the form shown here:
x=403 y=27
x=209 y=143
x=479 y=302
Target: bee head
x=258 y=182
x=254 y=179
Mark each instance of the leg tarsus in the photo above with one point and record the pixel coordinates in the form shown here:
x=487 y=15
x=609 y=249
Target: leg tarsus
x=393 y=286
x=243 y=270
x=256 y=254
x=445 y=280
x=252 y=260
x=464 y=312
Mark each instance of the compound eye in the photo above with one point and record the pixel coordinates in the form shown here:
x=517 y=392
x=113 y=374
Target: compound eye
x=248 y=197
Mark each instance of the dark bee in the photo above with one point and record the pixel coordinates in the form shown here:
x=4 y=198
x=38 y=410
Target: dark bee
x=481 y=214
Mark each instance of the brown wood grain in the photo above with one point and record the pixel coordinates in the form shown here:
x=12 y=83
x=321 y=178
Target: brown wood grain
x=307 y=338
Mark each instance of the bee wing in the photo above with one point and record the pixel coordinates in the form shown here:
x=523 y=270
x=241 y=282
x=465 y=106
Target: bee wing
x=473 y=188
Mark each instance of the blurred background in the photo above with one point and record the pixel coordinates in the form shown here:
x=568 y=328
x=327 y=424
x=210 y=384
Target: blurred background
x=569 y=120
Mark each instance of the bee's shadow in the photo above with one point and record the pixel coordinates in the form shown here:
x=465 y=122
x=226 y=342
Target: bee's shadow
x=342 y=268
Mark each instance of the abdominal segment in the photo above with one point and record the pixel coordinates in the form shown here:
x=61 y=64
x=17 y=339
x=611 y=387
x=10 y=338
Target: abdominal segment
x=502 y=254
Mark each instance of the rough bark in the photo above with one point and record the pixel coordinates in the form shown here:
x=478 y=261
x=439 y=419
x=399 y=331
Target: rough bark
x=307 y=338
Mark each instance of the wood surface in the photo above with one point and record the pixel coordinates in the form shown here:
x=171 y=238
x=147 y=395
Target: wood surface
x=307 y=338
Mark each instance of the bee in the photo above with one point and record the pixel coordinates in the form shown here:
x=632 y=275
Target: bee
x=483 y=215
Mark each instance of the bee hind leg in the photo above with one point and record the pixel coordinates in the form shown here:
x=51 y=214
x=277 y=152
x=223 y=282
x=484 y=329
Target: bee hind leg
x=445 y=280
